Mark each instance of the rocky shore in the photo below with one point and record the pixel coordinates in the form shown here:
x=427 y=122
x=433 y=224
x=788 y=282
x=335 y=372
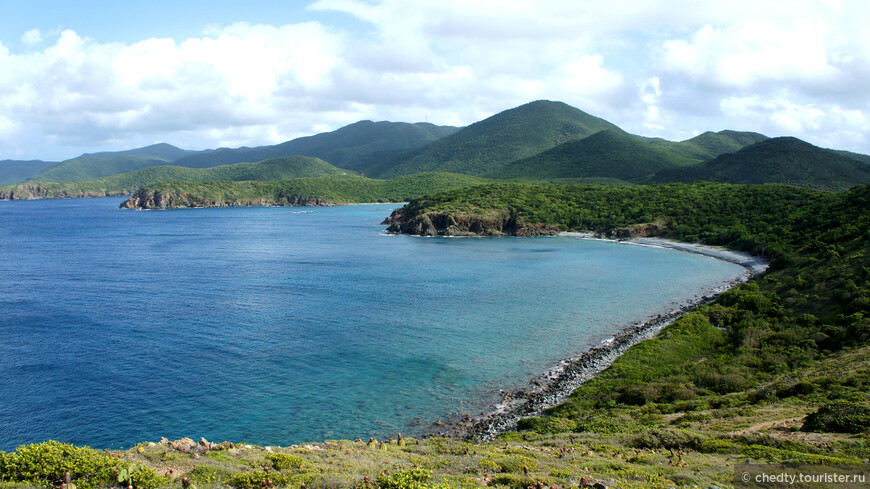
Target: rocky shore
x=505 y=223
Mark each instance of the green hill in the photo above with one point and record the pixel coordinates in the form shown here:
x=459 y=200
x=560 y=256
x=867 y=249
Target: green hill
x=159 y=151
x=127 y=183
x=783 y=160
x=486 y=146
x=350 y=147
x=711 y=144
x=607 y=154
x=98 y=165
x=14 y=171
x=89 y=167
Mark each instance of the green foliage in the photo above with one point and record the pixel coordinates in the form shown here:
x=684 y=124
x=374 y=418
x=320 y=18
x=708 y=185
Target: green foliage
x=354 y=147
x=125 y=183
x=408 y=479
x=514 y=481
x=841 y=416
x=783 y=160
x=12 y=171
x=44 y=464
x=485 y=146
x=608 y=153
x=209 y=474
x=331 y=189
x=717 y=445
x=550 y=424
x=284 y=461
x=256 y=479
x=777 y=455
x=90 y=167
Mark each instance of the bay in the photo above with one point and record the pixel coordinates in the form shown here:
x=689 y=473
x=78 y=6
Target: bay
x=277 y=326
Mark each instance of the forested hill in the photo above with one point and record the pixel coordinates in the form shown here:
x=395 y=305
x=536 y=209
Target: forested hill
x=352 y=147
x=487 y=145
x=784 y=160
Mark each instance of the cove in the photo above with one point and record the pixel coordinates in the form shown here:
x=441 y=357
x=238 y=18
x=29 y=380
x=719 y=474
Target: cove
x=277 y=326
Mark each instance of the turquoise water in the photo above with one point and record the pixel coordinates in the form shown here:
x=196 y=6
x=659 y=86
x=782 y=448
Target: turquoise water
x=283 y=325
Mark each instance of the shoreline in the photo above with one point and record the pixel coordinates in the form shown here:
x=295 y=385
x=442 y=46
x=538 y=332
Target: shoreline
x=556 y=384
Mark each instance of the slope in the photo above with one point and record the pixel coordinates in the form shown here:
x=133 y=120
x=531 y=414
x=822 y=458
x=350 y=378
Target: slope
x=14 y=171
x=159 y=151
x=107 y=163
x=785 y=160
x=348 y=147
x=607 y=153
x=492 y=143
x=127 y=183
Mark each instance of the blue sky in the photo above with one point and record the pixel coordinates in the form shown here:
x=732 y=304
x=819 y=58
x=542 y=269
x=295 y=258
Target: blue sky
x=129 y=21
x=94 y=75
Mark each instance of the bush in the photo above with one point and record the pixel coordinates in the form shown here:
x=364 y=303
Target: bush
x=408 y=479
x=514 y=481
x=255 y=479
x=44 y=464
x=283 y=461
x=717 y=446
x=547 y=424
x=667 y=438
x=209 y=474
x=839 y=417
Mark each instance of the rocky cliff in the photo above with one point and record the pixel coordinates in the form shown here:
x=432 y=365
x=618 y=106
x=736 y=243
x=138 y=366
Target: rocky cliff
x=506 y=223
x=500 y=223
x=168 y=199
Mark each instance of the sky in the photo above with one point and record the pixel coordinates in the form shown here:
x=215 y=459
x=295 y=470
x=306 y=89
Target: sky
x=87 y=76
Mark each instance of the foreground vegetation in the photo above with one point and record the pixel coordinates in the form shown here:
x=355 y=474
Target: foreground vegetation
x=774 y=371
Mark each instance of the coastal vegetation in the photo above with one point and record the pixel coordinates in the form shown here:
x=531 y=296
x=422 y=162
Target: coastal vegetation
x=126 y=183
x=327 y=190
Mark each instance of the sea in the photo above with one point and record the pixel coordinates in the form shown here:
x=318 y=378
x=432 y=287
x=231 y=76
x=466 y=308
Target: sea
x=286 y=325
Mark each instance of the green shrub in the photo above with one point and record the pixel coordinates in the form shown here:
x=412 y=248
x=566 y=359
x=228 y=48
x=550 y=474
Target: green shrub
x=255 y=479
x=209 y=474
x=717 y=446
x=776 y=455
x=667 y=438
x=514 y=481
x=515 y=463
x=547 y=424
x=841 y=416
x=283 y=461
x=408 y=479
x=44 y=464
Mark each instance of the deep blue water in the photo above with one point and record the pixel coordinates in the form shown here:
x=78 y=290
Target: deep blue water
x=283 y=325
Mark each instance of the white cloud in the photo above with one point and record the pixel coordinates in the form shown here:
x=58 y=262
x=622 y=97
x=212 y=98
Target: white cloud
x=654 y=66
x=33 y=36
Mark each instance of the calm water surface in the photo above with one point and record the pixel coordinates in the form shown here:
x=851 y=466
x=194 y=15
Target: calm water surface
x=283 y=325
